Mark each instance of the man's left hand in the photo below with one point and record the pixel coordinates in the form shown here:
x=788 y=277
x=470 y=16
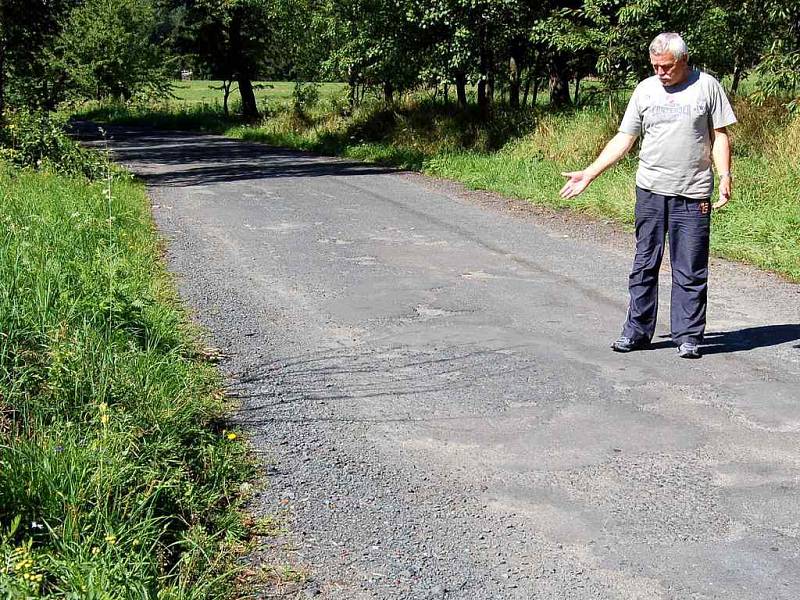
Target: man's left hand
x=724 y=192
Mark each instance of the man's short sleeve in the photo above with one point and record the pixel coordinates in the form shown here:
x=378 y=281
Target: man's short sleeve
x=632 y=119
x=721 y=111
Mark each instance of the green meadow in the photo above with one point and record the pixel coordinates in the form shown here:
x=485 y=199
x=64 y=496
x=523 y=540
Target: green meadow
x=267 y=93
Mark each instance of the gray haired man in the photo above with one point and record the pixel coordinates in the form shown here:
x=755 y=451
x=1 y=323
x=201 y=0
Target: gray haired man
x=682 y=115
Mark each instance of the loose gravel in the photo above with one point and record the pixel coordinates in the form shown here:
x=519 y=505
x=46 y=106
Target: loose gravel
x=425 y=374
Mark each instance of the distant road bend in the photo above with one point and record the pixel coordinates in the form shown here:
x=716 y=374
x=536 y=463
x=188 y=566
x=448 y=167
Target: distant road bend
x=426 y=373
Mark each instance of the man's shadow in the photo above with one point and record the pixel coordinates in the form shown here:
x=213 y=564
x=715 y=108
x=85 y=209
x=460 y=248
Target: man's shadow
x=741 y=340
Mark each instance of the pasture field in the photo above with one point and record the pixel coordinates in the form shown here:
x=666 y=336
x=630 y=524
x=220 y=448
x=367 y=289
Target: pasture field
x=198 y=91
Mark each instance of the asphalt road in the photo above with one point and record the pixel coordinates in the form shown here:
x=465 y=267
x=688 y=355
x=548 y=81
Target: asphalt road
x=426 y=374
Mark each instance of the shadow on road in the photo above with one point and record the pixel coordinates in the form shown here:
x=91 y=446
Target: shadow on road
x=188 y=159
x=720 y=342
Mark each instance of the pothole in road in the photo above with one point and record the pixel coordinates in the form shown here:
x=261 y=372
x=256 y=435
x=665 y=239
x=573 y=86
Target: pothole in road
x=427 y=311
x=477 y=275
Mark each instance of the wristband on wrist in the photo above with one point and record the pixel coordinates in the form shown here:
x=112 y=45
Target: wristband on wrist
x=725 y=175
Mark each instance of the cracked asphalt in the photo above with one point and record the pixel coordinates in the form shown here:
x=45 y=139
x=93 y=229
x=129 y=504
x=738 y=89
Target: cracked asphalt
x=425 y=373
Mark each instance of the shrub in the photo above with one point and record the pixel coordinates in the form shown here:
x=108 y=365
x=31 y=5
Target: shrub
x=108 y=50
x=305 y=96
x=39 y=140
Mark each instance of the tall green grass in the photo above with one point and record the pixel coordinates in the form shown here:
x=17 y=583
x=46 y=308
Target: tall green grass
x=117 y=479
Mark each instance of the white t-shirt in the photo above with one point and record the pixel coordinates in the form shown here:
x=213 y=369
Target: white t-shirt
x=677 y=124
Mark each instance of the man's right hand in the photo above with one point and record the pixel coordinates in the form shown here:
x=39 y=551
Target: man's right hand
x=578 y=181
x=614 y=150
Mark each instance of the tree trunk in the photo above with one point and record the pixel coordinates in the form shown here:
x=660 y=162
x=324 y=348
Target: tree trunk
x=483 y=99
x=486 y=83
x=243 y=77
x=514 y=86
x=527 y=91
x=351 y=80
x=737 y=77
x=461 y=89
x=249 y=106
x=446 y=93
x=226 y=94
x=559 y=82
x=533 y=76
x=577 y=89
x=482 y=104
x=388 y=93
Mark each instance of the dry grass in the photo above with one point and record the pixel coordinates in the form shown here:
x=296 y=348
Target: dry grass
x=567 y=140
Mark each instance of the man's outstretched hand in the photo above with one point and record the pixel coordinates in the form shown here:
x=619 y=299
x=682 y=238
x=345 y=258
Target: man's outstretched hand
x=578 y=181
x=614 y=150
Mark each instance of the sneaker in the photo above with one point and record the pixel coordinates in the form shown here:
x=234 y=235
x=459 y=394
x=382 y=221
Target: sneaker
x=689 y=350
x=626 y=344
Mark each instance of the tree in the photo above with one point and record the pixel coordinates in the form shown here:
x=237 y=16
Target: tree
x=108 y=49
x=476 y=40
x=447 y=41
x=372 y=43
x=26 y=28
x=233 y=39
x=779 y=68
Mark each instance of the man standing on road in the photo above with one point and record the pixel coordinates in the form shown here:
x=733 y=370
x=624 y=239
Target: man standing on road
x=681 y=114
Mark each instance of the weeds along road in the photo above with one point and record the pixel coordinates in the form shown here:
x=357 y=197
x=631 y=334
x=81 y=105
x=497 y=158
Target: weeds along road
x=426 y=373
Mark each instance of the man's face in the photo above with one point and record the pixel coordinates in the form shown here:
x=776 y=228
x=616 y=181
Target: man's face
x=668 y=70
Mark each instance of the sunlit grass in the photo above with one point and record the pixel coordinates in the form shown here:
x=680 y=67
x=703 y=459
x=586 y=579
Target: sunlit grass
x=116 y=479
x=267 y=92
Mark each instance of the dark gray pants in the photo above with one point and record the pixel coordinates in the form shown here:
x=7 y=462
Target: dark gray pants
x=687 y=223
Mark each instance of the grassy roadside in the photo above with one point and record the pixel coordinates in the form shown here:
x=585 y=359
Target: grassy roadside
x=522 y=155
x=117 y=477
